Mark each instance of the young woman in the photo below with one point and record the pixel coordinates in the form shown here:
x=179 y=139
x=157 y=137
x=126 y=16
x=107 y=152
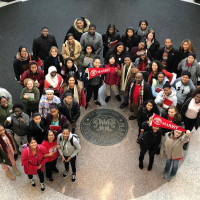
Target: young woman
x=143 y=29
x=69 y=69
x=5 y=109
x=151 y=44
x=172 y=148
x=33 y=159
x=119 y=52
x=37 y=128
x=190 y=111
x=71 y=49
x=50 y=143
x=145 y=112
x=54 y=59
x=46 y=100
x=130 y=39
x=112 y=79
x=76 y=87
x=143 y=65
x=7 y=151
x=157 y=84
x=54 y=80
x=18 y=123
x=110 y=36
x=173 y=116
x=21 y=62
x=55 y=118
x=92 y=85
x=30 y=96
x=156 y=67
x=185 y=49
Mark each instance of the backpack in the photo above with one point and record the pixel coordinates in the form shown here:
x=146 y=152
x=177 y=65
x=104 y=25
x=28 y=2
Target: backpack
x=71 y=140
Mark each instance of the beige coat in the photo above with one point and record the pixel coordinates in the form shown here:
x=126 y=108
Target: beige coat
x=173 y=148
x=77 y=51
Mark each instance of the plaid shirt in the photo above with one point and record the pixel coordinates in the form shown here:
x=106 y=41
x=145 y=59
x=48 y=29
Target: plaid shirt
x=44 y=105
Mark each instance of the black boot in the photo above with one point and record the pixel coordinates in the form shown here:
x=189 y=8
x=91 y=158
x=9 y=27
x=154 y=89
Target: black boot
x=151 y=159
x=141 y=164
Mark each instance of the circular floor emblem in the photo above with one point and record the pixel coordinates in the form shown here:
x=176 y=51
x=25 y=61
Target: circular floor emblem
x=104 y=127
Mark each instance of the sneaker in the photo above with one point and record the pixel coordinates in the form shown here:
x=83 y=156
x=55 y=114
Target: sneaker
x=170 y=178
x=73 y=178
x=51 y=179
x=107 y=99
x=65 y=174
x=123 y=105
x=98 y=103
x=132 y=117
x=118 y=98
x=165 y=175
x=33 y=182
x=42 y=187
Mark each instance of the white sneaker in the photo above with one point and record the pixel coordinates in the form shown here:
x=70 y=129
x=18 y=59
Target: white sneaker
x=73 y=178
x=65 y=174
x=42 y=187
x=33 y=182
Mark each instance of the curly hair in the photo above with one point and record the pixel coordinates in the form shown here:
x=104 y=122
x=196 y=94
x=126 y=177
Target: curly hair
x=195 y=92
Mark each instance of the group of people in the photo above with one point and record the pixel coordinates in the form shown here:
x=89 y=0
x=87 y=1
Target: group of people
x=151 y=79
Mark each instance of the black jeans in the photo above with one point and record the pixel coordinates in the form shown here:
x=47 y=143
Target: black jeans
x=90 y=90
x=143 y=151
x=189 y=123
x=49 y=167
x=72 y=162
x=40 y=174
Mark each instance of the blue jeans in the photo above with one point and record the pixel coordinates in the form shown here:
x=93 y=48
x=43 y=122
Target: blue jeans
x=174 y=164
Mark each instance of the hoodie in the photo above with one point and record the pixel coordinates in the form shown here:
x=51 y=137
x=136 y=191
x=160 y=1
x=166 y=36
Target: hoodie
x=161 y=103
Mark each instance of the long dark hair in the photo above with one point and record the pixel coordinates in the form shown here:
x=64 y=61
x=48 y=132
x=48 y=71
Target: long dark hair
x=46 y=136
x=155 y=107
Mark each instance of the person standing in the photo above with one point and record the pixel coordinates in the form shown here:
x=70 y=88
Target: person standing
x=69 y=148
x=172 y=148
x=43 y=44
x=167 y=55
x=139 y=91
x=93 y=39
x=33 y=159
x=7 y=151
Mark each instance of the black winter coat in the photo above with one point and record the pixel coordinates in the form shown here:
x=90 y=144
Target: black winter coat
x=153 y=48
x=133 y=42
x=36 y=131
x=107 y=39
x=150 y=140
x=42 y=46
x=72 y=114
x=49 y=61
x=171 y=61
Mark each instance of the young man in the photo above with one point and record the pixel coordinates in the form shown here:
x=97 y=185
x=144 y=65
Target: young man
x=166 y=98
x=167 y=55
x=93 y=39
x=43 y=44
x=184 y=88
x=69 y=147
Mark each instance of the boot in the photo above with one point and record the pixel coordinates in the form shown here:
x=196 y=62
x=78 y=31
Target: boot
x=141 y=164
x=16 y=171
x=150 y=163
x=10 y=175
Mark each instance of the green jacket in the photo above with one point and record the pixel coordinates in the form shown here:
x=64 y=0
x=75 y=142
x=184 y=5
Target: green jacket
x=5 y=112
x=4 y=158
x=31 y=103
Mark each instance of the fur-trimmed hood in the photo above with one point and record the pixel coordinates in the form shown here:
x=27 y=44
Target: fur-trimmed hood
x=86 y=26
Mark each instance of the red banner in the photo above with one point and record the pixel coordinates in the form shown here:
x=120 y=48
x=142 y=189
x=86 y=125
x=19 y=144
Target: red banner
x=92 y=72
x=164 y=123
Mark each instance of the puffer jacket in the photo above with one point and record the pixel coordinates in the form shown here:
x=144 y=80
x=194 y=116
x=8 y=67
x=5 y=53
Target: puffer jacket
x=194 y=69
x=173 y=148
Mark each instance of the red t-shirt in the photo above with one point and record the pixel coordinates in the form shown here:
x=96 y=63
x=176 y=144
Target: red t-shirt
x=51 y=148
x=136 y=93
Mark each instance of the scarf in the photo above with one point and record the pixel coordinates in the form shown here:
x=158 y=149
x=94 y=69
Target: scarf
x=18 y=56
x=71 y=49
x=125 y=79
x=53 y=81
x=142 y=33
x=4 y=145
x=141 y=94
